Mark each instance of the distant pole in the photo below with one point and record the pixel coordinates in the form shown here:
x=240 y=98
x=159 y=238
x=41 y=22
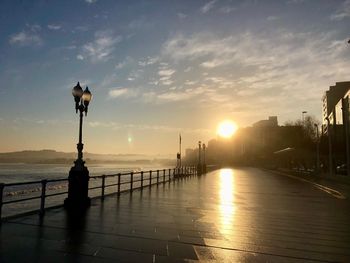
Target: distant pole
x=330 y=153
x=204 y=153
x=199 y=166
x=204 y=161
x=317 y=149
x=303 y=116
x=180 y=148
x=199 y=153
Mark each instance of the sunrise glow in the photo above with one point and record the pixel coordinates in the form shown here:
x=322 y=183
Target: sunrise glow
x=227 y=129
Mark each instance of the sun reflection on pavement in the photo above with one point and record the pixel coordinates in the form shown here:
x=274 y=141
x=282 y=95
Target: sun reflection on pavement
x=227 y=205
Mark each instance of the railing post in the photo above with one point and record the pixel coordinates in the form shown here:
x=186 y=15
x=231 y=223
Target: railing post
x=157 y=177
x=141 y=179
x=119 y=184
x=169 y=175
x=131 y=180
x=43 y=195
x=150 y=178
x=2 y=186
x=163 y=175
x=103 y=187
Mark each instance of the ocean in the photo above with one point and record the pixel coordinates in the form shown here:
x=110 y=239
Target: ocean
x=20 y=172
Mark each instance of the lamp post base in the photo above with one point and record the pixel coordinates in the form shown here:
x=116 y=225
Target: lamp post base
x=78 y=187
x=204 y=169
x=199 y=169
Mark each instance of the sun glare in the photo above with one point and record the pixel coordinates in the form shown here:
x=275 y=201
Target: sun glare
x=226 y=129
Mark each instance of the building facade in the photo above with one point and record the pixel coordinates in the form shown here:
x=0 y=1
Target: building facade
x=330 y=100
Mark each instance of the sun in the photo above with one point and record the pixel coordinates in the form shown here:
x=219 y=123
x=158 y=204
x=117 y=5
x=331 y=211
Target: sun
x=226 y=129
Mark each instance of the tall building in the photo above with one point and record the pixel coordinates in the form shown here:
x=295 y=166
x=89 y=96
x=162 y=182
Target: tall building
x=330 y=100
x=336 y=123
x=271 y=122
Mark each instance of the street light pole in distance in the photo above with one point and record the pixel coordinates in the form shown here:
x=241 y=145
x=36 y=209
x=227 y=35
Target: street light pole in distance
x=317 y=149
x=303 y=116
x=199 y=166
x=330 y=153
x=78 y=180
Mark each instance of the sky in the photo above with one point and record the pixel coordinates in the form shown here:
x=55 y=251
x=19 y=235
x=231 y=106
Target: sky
x=160 y=68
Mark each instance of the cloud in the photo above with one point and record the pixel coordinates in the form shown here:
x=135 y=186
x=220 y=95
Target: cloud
x=90 y=1
x=165 y=75
x=81 y=28
x=26 y=39
x=272 y=18
x=54 y=27
x=80 y=57
x=213 y=63
x=33 y=27
x=121 y=92
x=127 y=61
x=148 y=61
x=181 y=15
x=140 y=24
x=101 y=48
x=342 y=12
x=208 y=6
x=292 y=68
x=166 y=72
x=173 y=96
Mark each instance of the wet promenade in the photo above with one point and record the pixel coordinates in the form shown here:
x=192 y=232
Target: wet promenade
x=229 y=215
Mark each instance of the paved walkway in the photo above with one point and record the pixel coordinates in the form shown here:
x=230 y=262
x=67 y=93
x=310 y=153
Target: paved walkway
x=229 y=215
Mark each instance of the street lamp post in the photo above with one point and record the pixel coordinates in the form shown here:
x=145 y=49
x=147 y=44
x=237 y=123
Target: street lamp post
x=317 y=149
x=330 y=153
x=78 y=180
x=204 y=161
x=199 y=166
x=303 y=116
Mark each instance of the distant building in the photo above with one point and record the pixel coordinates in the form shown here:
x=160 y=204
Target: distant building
x=330 y=100
x=271 y=122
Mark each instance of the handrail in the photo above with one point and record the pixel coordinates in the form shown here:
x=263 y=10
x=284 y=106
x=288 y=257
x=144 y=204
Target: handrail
x=141 y=181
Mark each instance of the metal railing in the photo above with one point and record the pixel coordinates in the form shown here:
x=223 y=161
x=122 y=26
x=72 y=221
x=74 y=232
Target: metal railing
x=122 y=182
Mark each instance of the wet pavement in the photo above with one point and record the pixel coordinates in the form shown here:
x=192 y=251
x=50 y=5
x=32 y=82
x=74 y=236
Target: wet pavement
x=229 y=215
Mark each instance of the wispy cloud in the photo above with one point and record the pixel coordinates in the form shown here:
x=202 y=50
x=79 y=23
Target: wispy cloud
x=148 y=61
x=342 y=12
x=26 y=39
x=166 y=75
x=208 y=6
x=54 y=27
x=290 y=67
x=181 y=15
x=122 y=92
x=30 y=36
x=272 y=18
x=140 y=24
x=127 y=61
x=226 y=9
x=166 y=72
x=102 y=47
x=90 y=1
